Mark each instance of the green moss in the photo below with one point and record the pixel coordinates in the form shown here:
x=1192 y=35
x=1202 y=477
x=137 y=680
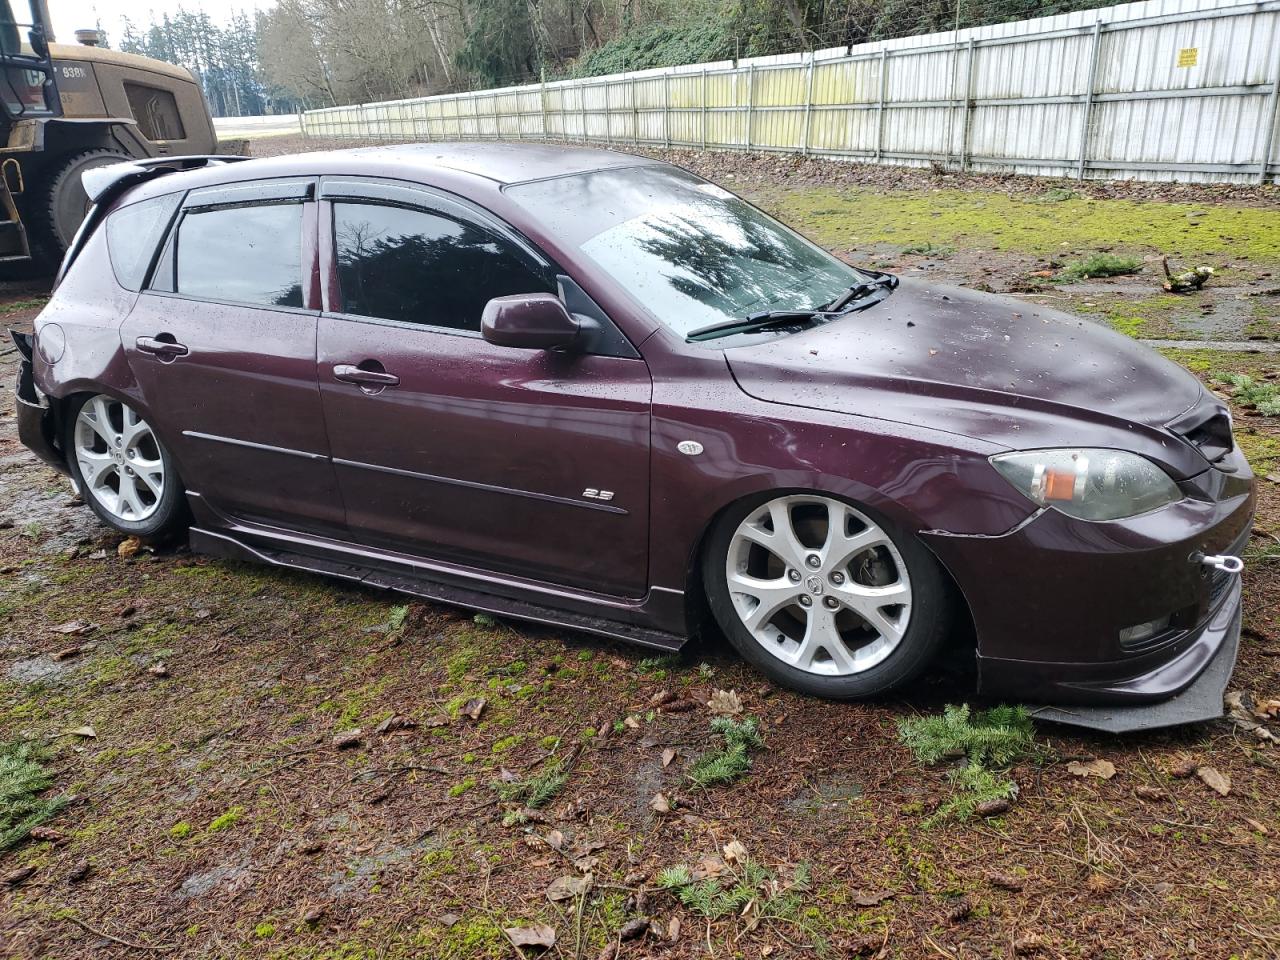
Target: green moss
x=227 y=820
x=471 y=938
x=264 y=930
x=180 y=829
x=507 y=743
x=843 y=218
x=458 y=789
x=1261 y=449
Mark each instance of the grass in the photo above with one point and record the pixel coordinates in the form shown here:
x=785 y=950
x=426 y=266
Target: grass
x=23 y=782
x=1101 y=265
x=734 y=758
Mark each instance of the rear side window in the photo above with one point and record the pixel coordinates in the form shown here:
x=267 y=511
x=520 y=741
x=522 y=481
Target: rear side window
x=418 y=267
x=244 y=254
x=132 y=235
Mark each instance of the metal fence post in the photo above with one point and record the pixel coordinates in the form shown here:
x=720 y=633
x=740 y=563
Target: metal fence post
x=808 y=108
x=884 y=89
x=635 y=115
x=751 y=100
x=1267 y=129
x=967 y=119
x=666 y=109
x=1087 y=110
x=704 y=108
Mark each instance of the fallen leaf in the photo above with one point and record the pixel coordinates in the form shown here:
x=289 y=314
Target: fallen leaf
x=1028 y=943
x=47 y=835
x=865 y=898
x=158 y=669
x=128 y=547
x=1148 y=792
x=673 y=928
x=539 y=935
x=1267 y=710
x=555 y=840
x=632 y=722
x=473 y=708
x=396 y=721
x=1274 y=477
x=437 y=721
x=348 y=739
x=586 y=864
x=314 y=913
x=73 y=627
x=661 y=697
x=1255 y=825
x=660 y=804
x=449 y=919
x=1004 y=881
x=633 y=929
x=1214 y=780
x=725 y=703
x=19 y=876
x=87 y=732
x=568 y=887
x=668 y=755
x=1102 y=769
x=735 y=852
x=79 y=871
x=1183 y=767
x=712 y=866
x=66 y=653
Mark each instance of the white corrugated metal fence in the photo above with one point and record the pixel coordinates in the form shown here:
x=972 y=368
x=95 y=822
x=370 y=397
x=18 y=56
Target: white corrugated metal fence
x=1161 y=89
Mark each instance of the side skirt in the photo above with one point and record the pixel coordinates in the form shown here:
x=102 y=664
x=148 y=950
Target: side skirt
x=222 y=545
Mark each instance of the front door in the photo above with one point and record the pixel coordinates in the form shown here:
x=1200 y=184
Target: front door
x=527 y=462
x=222 y=345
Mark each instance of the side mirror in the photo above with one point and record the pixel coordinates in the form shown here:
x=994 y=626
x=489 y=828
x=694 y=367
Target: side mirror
x=531 y=321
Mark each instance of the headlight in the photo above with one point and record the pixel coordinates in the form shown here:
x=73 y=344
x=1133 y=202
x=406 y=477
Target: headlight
x=1089 y=484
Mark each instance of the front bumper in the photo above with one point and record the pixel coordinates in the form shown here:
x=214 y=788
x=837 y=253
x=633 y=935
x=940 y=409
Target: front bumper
x=1051 y=598
x=37 y=427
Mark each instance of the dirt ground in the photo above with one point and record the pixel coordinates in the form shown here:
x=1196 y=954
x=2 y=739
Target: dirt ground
x=202 y=714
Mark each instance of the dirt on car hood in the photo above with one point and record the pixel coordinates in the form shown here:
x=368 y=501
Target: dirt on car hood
x=994 y=368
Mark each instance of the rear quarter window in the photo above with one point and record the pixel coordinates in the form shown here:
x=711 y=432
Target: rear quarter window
x=133 y=233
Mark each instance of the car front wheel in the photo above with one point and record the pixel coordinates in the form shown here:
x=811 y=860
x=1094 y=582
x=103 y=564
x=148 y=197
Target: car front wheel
x=122 y=470
x=824 y=596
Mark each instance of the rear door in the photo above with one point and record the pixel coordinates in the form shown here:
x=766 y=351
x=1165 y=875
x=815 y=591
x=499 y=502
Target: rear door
x=222 y=343
x=534 y=463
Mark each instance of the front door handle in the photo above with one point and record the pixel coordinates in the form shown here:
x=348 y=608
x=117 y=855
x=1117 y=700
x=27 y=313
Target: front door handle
x=350 y=373
x=164 y=349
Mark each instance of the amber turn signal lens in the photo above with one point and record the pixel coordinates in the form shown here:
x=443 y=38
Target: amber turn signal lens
x=1059 y=485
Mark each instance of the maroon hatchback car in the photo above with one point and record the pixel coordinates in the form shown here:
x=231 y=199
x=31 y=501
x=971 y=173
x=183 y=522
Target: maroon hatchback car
x=594 y=390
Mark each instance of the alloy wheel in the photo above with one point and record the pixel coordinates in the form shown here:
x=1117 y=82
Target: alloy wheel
x=819 y=585
x=119 y=459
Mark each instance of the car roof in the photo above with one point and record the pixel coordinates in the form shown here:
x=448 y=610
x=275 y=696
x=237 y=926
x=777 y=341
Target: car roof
x=486 y=166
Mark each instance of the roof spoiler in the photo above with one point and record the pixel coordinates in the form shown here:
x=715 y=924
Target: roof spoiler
x=104 y=184
x=99 y=182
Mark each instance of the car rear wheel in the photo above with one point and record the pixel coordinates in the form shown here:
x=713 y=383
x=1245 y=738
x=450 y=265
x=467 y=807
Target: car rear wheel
x=122 y=470
x=824 y=596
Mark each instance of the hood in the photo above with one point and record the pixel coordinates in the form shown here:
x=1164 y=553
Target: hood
x=988 y=367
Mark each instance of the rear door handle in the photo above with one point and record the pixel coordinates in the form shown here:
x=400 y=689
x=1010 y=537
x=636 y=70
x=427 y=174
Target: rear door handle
x=350 y=373
x=165 y=349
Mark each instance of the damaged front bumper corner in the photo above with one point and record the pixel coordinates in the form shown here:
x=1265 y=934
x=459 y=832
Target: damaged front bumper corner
x=37 y=428
x=1202 y=700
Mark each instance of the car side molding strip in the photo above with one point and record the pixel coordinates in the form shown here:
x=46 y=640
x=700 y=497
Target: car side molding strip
x=488 y=487
x=197 y=435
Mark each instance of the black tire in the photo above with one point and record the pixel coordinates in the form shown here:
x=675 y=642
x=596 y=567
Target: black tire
x=62 y=202
x=169 y=519
x=931 y=617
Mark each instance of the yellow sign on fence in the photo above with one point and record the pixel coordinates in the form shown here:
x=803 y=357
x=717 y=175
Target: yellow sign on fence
x=1188 y=56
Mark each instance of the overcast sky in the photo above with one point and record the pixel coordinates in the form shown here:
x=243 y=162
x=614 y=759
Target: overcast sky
x=72 y=15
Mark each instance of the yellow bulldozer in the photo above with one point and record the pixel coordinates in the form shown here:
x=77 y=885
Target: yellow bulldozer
x=70 y=107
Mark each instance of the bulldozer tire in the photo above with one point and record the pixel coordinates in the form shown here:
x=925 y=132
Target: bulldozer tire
x=64 y=203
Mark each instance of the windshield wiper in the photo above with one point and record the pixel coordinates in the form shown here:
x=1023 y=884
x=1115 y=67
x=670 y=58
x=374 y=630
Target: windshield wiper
x=882 y=281
x=857 y=297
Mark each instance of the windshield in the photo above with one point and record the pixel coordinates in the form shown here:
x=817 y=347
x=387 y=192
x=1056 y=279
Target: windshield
x=693 y=254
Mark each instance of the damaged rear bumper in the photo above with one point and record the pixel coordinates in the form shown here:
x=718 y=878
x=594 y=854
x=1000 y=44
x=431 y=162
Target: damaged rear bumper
x=37 y=428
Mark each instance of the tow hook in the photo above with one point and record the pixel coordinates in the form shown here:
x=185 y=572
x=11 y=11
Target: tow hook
x=1225 y=563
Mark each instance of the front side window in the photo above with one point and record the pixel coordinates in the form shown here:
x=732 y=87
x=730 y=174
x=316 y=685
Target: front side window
x=396 y=263
x=244 y=254
x=695 y=255
x=132 y=235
